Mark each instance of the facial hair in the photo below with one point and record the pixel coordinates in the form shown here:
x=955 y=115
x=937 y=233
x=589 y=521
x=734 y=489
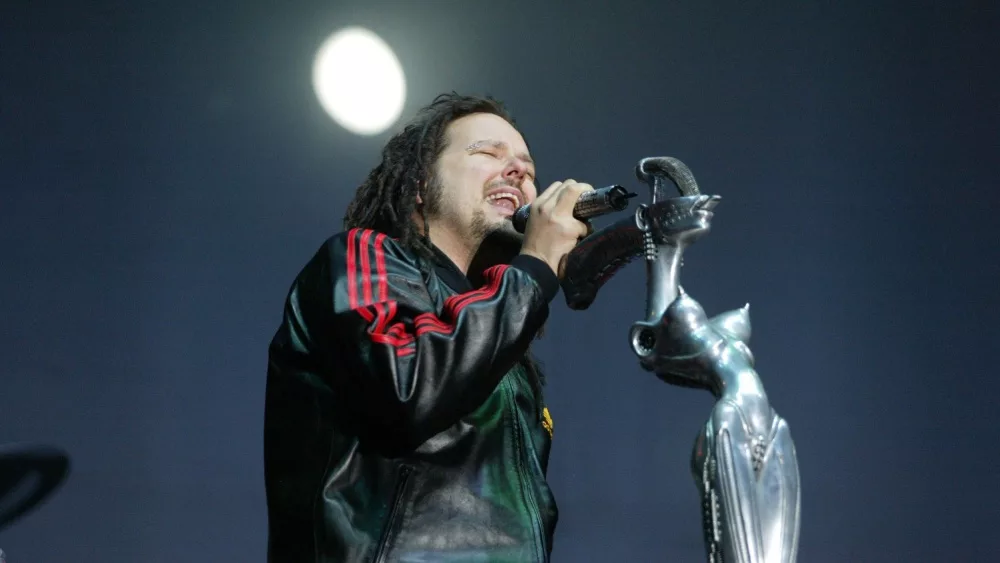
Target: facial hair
x=499 y=244
x=480 y=231
x=502 y=232
x=495 y=243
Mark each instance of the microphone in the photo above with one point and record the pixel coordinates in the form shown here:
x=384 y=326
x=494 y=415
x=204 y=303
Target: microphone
x=590 y=204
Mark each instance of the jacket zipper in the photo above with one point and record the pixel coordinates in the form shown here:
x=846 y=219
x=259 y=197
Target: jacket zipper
x=526 y=488
x=397 y=499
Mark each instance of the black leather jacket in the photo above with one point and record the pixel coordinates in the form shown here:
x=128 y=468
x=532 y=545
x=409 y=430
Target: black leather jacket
x=401 y=422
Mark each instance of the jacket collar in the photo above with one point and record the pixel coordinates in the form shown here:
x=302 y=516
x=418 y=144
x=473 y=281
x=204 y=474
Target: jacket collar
x=449 y=273
x=496 y=248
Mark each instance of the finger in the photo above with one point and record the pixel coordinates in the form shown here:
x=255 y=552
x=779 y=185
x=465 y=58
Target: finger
x=546 y=194
x=557 y=188
x=569 y=195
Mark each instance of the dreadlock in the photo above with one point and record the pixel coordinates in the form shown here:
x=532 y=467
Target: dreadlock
x=387 y=199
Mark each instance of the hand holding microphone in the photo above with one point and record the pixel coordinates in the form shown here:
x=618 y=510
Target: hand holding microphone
x=555 y=222
x=591 y=203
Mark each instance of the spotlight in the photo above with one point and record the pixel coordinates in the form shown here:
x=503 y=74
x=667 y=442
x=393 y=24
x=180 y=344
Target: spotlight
x=359 y=81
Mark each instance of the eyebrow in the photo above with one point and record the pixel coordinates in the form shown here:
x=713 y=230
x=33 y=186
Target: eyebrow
x=499 y=145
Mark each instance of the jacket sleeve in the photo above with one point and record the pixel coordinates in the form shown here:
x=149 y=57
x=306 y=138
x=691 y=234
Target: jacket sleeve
x=405 y=368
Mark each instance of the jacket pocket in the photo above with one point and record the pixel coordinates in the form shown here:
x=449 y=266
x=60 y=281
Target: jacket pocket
x=399 y=494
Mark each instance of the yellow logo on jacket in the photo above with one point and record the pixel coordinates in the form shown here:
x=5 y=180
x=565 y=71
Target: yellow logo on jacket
x=547 y=421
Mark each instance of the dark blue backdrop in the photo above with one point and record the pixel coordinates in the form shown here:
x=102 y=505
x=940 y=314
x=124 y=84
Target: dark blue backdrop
x=166 y=170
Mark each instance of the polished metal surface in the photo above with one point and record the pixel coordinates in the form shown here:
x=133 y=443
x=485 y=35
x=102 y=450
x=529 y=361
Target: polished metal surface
x=744 y=460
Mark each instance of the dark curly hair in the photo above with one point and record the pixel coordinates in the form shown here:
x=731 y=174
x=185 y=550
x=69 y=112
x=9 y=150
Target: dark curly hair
x=385 y=202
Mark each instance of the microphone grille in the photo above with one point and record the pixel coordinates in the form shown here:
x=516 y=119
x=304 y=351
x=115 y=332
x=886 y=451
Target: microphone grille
x=520 y=218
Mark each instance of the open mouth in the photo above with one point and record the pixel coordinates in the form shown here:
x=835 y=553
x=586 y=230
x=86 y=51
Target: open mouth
x=504 y=201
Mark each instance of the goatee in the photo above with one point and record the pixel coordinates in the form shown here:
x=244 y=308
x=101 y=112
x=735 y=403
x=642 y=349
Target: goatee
x=500 y=244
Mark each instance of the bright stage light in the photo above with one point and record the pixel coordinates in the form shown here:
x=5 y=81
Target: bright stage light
x=359 y=81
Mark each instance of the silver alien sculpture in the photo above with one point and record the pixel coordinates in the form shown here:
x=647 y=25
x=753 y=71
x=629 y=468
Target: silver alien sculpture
x=744 y=460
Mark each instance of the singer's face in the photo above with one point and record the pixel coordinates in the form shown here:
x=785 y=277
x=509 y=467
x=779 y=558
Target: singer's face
x=483 y=175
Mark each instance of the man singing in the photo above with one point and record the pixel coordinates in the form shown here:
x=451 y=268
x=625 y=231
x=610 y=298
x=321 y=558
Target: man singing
x=404 y=415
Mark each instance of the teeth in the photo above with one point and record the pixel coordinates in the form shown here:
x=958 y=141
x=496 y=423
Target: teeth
x=511 y=197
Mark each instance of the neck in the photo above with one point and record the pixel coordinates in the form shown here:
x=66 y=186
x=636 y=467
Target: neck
x=452 y=246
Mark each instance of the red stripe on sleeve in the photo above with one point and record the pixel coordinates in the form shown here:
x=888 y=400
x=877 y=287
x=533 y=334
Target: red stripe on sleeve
x=352 y=270
x=368 y=316
x=383 y=283
x=354 y=277
x=392 y=340
x=456 y=303
x=453 y=305
x=378 y=309
x=429 y=319
x=366 y=276
x=386 y=311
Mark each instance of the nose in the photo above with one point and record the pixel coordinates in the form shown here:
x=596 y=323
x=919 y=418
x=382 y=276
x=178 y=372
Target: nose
x=515 y=170
x=516 y=174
